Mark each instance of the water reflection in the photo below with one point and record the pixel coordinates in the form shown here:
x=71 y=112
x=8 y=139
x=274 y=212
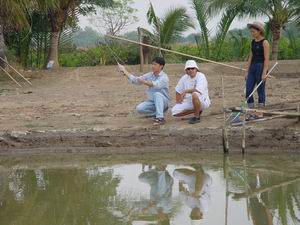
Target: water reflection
x=194 y=190
x=161 y=183
x=222 y=191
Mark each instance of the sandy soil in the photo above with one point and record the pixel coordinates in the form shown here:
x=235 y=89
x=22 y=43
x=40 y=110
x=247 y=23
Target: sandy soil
x=97 y=103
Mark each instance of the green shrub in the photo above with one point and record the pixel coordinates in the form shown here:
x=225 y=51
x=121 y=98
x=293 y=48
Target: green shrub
x=102 y=55
x=233 y=49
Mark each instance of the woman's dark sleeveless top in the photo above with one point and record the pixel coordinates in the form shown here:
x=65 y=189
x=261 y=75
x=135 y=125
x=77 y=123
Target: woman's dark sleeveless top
x=257 y=48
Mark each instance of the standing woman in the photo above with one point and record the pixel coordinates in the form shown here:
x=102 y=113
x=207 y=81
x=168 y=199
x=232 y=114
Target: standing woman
x=258 y=64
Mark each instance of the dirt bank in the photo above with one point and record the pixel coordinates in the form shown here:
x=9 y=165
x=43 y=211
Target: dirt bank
x=92 y=109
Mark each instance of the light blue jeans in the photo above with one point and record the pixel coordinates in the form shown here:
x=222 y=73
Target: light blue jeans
x=155 y=107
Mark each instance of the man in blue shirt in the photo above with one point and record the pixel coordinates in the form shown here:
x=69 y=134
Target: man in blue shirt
x=158 y=90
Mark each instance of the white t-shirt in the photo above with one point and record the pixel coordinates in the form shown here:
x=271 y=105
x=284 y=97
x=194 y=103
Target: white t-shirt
x=199 y=82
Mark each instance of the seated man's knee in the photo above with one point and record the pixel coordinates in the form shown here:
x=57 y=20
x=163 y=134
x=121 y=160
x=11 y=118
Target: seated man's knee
x=140 y=108
x=158 y=95
x=195 y=95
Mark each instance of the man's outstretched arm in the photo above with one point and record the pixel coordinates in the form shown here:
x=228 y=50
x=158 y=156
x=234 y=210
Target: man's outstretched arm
x=134 y=79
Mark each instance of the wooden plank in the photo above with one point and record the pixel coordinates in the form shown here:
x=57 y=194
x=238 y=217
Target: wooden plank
x=266 y=112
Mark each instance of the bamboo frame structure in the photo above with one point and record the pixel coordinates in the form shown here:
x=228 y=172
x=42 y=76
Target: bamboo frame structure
x=268 y=112
x=175 y=52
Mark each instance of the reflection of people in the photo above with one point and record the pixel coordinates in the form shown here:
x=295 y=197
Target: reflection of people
x=161 y=184
x=194 y=188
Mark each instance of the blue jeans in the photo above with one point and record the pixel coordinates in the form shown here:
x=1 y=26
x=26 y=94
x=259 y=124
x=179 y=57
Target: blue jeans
x=254 y=78
x=155 y=107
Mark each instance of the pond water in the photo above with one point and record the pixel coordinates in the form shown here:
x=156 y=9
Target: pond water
x=150 y=189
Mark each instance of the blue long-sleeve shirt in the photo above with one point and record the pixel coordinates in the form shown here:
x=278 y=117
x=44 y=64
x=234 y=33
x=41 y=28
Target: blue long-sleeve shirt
x=160 y=83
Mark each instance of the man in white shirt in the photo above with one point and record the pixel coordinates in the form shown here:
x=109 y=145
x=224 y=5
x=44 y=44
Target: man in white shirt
x=191 y=93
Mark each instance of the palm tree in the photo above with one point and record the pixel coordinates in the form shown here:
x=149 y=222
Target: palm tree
x=169 y=27
x=279 y=13
x=201 y=9
x=12 y=13
x=68 y=10
x=206 y=9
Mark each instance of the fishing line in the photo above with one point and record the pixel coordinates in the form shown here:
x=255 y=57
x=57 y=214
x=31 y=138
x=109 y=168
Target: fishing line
x=113 y=53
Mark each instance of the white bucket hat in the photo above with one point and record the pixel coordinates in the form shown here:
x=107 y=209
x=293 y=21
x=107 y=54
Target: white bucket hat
x=258 y=25
x=191 y=64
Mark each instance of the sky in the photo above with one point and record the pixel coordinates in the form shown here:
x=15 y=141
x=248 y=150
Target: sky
x=160 y=7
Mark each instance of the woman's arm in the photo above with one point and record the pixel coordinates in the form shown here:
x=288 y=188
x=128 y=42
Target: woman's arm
x=248 y=64
x=267 y=59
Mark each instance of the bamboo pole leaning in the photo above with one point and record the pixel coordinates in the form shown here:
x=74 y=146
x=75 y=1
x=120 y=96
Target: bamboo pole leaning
x=24 y=78
x=10 y=76
x=174 y=52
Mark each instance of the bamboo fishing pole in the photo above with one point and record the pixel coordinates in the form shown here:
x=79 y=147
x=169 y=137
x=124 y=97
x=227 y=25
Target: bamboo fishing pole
x=16 y=71
x=174 y=52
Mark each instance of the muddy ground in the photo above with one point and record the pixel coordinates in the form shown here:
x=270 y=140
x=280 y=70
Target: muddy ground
x=91 y=109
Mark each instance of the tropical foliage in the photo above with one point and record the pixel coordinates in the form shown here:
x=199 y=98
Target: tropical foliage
x=34 y=32
x=39 y=24
x=278 y=12
x=171 y=26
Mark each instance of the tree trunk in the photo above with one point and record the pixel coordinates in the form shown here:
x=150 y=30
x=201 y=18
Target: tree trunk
x=58 y=18
x=276 y=34
x=53 y=50
x=2 y=47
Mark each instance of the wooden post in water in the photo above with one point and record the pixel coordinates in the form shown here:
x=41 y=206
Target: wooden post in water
x=141 y=50
x=244 y=133
x=224 y=130
x=225 y=171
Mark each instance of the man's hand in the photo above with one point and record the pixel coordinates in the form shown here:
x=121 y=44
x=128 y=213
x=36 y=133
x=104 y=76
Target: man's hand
x=123 y=70
x=181 y=97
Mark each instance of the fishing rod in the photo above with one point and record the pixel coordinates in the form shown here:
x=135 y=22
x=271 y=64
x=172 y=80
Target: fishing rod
x=261 y=82
x=175 y=52
x=255 y=89
x=16 y=71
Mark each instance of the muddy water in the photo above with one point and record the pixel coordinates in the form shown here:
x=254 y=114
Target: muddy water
x=150 y=189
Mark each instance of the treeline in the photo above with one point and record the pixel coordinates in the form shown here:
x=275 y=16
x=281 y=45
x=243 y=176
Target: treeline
x=36 y=32
x=33 y=32
x=88 y=48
